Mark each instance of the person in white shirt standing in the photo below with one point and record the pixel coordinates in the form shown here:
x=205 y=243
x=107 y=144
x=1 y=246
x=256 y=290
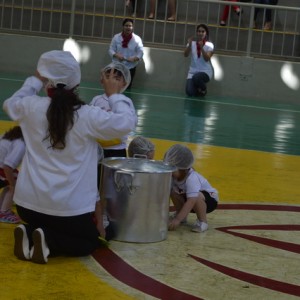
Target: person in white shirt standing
x=56 y=193
x=113 y=147
x=201 y=69
x=127 y=47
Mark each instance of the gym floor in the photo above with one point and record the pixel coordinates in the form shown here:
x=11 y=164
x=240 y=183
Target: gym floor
x=250 y=151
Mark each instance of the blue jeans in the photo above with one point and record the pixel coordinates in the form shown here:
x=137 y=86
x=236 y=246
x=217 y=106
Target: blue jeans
x=198 y=81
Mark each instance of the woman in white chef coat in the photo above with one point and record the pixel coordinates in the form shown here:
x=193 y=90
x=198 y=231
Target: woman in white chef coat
x=56 y=192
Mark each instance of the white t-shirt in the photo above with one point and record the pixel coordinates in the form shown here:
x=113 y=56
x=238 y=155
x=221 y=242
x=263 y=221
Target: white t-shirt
x=11 y=152
x=199 y=64
x=102 y=102
x=193 y=184
x=63 y=182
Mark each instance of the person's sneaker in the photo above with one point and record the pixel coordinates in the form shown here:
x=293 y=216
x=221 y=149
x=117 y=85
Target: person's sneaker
x=21 y=248
x=223 y=23
x=173 y=216
x=9 y=217
x=40 y=251
x=200 y=226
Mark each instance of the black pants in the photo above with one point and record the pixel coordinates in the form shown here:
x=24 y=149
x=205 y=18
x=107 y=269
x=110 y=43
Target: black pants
x=70 y=236
x=132 y=73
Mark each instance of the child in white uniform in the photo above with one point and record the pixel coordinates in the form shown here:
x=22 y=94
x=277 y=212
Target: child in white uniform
x=190 y=192
x=114 y=147
x=141 y=147
x=12 y=149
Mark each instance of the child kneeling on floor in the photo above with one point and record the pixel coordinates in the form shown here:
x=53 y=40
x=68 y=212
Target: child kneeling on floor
x=190 y=191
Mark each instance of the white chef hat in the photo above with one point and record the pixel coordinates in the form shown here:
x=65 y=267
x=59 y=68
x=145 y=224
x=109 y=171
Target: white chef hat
x=60 y=67
x=123 y=69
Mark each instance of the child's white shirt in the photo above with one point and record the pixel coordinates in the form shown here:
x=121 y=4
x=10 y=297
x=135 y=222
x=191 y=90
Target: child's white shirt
x=193 y=184
x=102 y=102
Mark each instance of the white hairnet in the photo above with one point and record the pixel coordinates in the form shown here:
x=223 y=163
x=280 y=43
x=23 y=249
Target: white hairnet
x=123 y=69
x=60 y=67
x=179 y=156
x=141 y=146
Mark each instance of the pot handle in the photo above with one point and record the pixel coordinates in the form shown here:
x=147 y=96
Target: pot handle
x=120 y=186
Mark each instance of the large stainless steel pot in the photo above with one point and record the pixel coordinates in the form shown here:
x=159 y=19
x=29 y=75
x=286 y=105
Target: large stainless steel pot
x=137 y=193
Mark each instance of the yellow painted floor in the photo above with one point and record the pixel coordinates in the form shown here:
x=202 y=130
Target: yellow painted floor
x=241 y=176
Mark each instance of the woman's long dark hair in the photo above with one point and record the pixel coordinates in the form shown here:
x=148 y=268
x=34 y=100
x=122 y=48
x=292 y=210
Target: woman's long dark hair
x=13 y=134
x=205 y=28
x=60 y=114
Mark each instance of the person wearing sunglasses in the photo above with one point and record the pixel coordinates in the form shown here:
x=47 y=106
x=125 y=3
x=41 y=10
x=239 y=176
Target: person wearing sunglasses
x=201 y=69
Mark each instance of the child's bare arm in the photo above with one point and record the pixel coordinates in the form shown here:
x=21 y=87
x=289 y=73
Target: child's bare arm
x=186 y=209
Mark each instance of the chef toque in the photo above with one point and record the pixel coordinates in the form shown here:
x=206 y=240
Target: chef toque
x=60 y=67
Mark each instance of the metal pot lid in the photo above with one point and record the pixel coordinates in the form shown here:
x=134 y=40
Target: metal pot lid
x=139 y=165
